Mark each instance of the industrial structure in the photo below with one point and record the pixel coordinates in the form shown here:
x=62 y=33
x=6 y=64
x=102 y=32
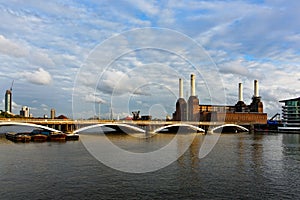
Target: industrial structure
x=192 y=110
x=136 y=116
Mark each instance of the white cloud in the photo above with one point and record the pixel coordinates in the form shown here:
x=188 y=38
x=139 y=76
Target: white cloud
x=118 y=82
x=39 y=77
x=56 y=37
x=11 y=48
x=145 y=6
x=16 y=107
x=235 y=67
x=40 y=58
x=94 y=99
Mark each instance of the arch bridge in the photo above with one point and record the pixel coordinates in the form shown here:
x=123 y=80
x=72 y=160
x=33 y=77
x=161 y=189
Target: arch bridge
x=126 y=126
x=179 y=128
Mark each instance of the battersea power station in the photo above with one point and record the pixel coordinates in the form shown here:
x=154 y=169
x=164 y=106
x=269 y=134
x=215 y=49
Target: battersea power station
x=240 y=113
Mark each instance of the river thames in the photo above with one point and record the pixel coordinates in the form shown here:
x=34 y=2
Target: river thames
x=240 y=166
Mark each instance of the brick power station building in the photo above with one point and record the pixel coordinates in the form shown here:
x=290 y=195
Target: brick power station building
x=240 y=113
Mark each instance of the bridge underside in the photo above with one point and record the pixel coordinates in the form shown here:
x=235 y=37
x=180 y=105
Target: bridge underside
x=112 y=129
x=19 y=124
x=180 y=128
x=229 y=129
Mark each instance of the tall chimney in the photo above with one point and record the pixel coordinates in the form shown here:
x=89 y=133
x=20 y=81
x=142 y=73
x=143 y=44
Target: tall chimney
x=256 y=92
x=180 y=88
x=241 y=92
x=193 y=92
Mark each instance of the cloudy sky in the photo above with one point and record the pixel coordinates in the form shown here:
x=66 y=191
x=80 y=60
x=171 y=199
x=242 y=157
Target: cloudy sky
x=82 y=57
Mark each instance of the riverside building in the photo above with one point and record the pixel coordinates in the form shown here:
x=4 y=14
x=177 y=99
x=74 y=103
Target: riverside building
x=290 y=115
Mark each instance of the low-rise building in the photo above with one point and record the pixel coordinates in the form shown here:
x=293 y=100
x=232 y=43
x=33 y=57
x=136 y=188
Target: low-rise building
x=24 y=112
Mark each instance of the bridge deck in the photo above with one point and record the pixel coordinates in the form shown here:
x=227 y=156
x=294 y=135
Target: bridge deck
x=87 y=122
x=72 y=125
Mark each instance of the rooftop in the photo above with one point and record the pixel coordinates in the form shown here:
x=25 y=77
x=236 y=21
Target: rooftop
x=295 y=99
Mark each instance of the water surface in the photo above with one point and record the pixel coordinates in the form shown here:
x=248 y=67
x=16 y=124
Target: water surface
x=240 y=166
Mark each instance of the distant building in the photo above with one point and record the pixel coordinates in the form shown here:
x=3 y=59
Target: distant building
x=62 y=117
x=238 y=113
x=8 y=101
x=146 y=117
x=52 y=113
x=290 y=115
x=127 y=118
x=136 y=115
x=24 y=112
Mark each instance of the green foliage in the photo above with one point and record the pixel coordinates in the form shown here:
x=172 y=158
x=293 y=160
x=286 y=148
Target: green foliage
x=7 y=115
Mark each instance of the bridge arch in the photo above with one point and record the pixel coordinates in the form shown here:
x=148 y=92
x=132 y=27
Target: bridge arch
x=180 y=125
x=110 y=125
x=28 y=124
x=229 y=125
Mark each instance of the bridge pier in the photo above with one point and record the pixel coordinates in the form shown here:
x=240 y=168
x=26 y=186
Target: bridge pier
x=51 y=126
x=252 y=128
x=66 y=127
x=57 y=127
x=204 y=127
x=149 y=128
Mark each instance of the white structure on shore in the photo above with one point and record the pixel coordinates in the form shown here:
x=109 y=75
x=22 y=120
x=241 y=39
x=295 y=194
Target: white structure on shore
x=24 y=112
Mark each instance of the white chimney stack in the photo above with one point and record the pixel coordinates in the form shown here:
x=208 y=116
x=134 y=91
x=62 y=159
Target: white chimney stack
x=180 y=88
x=241 y=92
x=193 y=91
x=256 y=92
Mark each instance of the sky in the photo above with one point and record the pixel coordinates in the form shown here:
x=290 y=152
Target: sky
x=97 y=57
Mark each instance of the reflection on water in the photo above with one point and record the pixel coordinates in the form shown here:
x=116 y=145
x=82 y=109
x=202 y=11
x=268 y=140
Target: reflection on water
x=240 y=166
x=291 y=146
x=136 y=154
x=136 y=143
x=3 y=140
x=190 y=158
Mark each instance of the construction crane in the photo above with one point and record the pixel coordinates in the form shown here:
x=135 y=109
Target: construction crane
x=277 y=116
x=12 y=84
x=275 y=119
